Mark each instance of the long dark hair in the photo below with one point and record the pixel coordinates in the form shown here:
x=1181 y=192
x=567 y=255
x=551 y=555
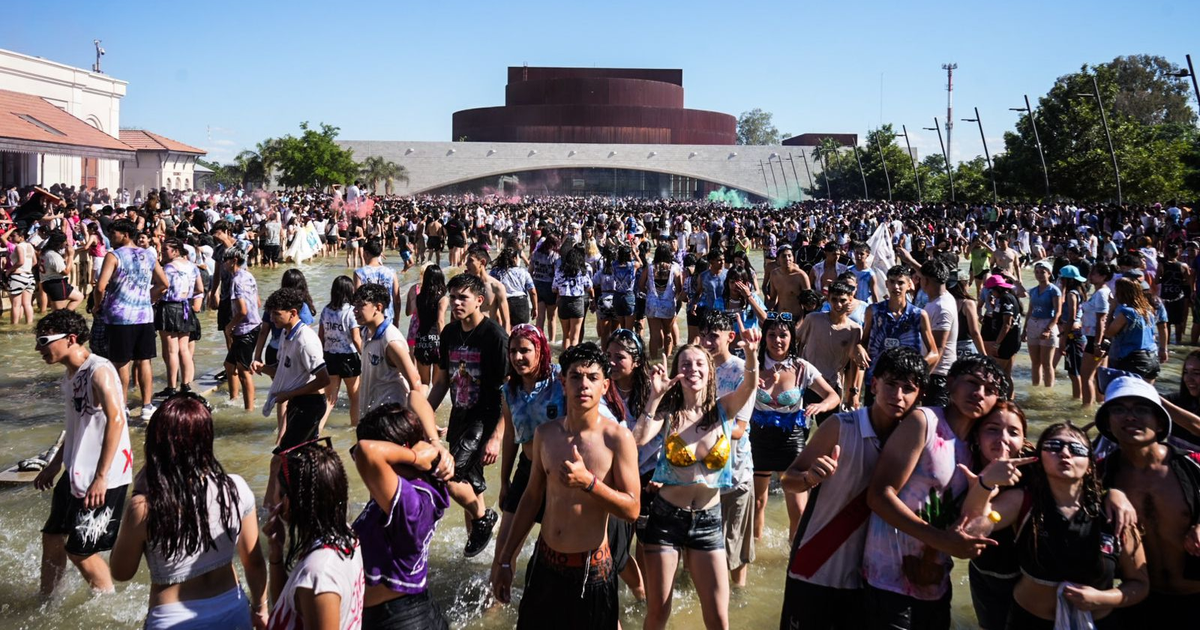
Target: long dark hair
x=341 y=293
x=1092 y=497
x=673 y=401
x=1186 y=399
x=767 y=326
x=573 y=262
x=294 y=278
x=641 y=371
x=433 y=289
x=180 y=465
x=314 y=481
x=505 y=260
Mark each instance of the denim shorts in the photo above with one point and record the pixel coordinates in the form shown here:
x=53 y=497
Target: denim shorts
x=671 y=526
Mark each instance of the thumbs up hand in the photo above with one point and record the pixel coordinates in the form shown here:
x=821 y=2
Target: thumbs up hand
x=823 y=468
x=574 y=472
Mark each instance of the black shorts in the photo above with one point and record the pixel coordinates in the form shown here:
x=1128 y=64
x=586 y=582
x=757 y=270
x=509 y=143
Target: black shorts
x=411 y=612
x=1010 y=345
x=620 y=540
x=571 y=307
x=465 y=437
x=347 y=365
x=812 y=606
x=1159 y=610
x=271 y=253
x=67 y=518
x=131 y=342
x=99 y=337
x=271 y=355
x=434 y=244
x=696 y=319
x=647 y=498
x=992 y=598
x=569 y=590
x=671 y=526
x=1073 y=351
x=224 y=314
x=428 y=349
x=241 y=352
x=174 y=317
x=545 y=291
x=1021 y=619
x=885 y=609
x=775 y=449
x=303 y=415
x=518 y=309
x=57 y=290
x=1176 y=311
x=196 y=332
x=516 y=488
x=1144 y=364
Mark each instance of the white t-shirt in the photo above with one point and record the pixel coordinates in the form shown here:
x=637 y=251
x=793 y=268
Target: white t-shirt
x=1096 y=305
x=178 y=570
x=943 y=315
x=86 y=422
x=300 y=358
x=338 y=325
x=323 y=570
x=381 y=383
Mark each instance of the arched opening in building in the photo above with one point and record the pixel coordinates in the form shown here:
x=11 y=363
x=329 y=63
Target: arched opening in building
x=589 y=181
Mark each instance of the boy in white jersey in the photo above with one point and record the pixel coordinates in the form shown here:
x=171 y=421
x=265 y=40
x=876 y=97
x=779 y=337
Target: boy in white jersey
x=89 y=498
x=388 y=372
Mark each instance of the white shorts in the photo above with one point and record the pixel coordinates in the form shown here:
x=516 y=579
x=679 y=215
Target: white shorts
x=229 y=610
x=1034 y=329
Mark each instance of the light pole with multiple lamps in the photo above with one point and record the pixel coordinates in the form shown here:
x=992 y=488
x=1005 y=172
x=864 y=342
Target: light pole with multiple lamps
x=991 y=171
x=949 y=171
x=1107 y=135
x=1037 y=140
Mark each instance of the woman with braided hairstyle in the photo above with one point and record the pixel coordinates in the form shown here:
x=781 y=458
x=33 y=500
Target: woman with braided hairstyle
x=320 y=581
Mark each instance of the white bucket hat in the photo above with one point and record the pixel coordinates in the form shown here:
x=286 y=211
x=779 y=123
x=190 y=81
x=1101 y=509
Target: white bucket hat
x=1131 y=387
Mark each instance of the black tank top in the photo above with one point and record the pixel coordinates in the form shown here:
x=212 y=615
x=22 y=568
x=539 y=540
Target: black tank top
x=1081 y=549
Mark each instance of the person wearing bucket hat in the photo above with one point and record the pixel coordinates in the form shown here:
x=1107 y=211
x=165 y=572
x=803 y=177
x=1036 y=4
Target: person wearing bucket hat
x=1070 y=325
x=1164 y=482
x=1041 y=331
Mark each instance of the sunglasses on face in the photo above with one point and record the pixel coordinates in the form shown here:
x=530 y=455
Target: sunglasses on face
x=1075 y=449
x=326 y=441
x=775 y=315
x=46 y=340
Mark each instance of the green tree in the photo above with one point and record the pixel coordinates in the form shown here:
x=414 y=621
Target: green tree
x=313 y=159
x=756 y=128
x=971 y=181
x=227 y=175
x=846 y=180
x=375 y=169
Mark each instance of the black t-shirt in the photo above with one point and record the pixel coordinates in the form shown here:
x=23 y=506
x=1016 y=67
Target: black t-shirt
x=477 y=362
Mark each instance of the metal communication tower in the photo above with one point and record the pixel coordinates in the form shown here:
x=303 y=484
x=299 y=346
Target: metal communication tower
x=949 y=68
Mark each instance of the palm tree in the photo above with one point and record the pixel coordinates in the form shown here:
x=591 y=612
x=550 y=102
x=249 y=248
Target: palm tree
x=256 y=166
x=375 y=169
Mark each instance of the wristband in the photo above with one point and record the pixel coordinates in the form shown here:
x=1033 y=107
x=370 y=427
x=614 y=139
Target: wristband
x=591 y=486
x=985 y=486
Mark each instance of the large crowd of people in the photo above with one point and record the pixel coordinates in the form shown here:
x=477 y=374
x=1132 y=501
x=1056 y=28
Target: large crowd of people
x=866 y=362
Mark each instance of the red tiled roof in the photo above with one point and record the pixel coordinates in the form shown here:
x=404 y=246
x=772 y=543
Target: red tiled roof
x=20 y=115
x=143 y=140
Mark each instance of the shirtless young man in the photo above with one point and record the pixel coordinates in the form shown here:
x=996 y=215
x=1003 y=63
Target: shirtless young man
x=495 y=298
x=831 y=342
x=436 y=239
x=787 y=281
x=1163 y=483
x=585 y=467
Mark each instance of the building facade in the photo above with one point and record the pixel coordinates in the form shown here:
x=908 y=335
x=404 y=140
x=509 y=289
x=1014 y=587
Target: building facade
x=159 y=162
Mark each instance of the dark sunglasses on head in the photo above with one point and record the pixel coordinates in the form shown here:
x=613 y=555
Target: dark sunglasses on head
x=1076 y=449
x=781 y=316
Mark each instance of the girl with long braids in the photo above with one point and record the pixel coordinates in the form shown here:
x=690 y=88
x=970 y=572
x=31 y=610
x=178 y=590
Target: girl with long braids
x=1064 y=542
x=188 y=518
x=395 y=527
x=427 y=303
x=319 y=582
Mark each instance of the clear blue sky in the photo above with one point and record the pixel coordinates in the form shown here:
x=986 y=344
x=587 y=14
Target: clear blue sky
x=224 y=75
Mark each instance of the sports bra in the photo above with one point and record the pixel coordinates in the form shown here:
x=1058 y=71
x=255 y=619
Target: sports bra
x=682 y=455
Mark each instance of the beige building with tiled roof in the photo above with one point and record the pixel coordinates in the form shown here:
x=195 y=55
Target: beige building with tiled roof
x=159 y=162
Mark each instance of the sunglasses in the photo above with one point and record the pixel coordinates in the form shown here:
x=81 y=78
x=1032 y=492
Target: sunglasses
x=326 y=441
x=1076 y=449
x=46 y=340
x=627 y=335
x=775 y=315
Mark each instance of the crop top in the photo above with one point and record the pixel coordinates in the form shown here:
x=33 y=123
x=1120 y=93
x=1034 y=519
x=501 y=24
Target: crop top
x=532 y=409
x=1082 y=549
x=178 y=570
x=714 y=471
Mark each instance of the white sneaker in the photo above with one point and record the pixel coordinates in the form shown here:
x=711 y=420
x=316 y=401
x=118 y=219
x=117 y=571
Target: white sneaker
x=147 y=411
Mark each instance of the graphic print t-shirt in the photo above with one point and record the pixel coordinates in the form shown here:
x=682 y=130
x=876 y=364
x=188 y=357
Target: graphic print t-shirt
x=476 y=361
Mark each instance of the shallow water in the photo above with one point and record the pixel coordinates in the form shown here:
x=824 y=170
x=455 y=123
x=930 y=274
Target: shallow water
x=30 y=418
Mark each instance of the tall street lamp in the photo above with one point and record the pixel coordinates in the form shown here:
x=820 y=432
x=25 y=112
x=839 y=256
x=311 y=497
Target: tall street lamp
x=866 y=195
x=1107 y=135
x=1037 y=140
x=1190 y=72
x=991 y=171
x=912 y=158
x=949 y=171
x=887 y=178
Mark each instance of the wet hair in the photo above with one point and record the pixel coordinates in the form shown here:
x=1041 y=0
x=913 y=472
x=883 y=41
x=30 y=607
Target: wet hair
x=124 y=226
x=733 y=276
x=573 y=262
x=1103 y=269
x=716 y=321
x=341 y=292
x=1001 y=406
x=673 y=402
x=535 y=336
x=433 y=289
x=587 y=353
x=64 y=322
x=549 y=243
x=174 y=244
x=466 y=282
x=371 y=293
x=373 y=248
x=663 y=254
x=983 y=366
x=479 y=253
x=235 y=254
x=507 y=259
x=221 y=226
x=294 y=278
x=1129 y=293
x=179 y=467
x=840 y=288
x=391 y=422
x=899 y=271
x=769 y=325
x=810 y=300
x=641 y=371
x=285 y=299
x=935 y=270
x=902 y=363
x=318 y=497
x=55 y=241
x=1090 y=502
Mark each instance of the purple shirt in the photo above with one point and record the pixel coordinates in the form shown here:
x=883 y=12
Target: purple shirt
x=395 y=544
x=244 y=286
